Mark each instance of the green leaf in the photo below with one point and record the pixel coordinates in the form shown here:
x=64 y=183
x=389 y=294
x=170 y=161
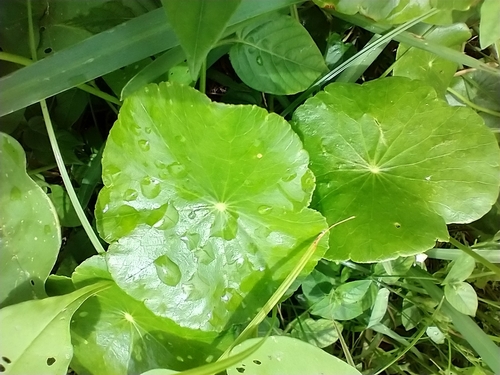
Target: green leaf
x=410 y=314
x=45 y=347
x=136 y=339
x=399 y=159
x=286 y=355
x=30 y=237
x=276 y=55
x=462 y=297
x=461 y=269
x=193 y=188
x=104 y=53
x=435 y=335
x=435 y=71
x=398 y=267
x=343 y=303
x=69 y=108
x=379 y=307
x=199 y=25
x=489 y=27
x=320 y=333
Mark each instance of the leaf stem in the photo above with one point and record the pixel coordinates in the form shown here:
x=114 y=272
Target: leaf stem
x=203 y=77
x=464 y=100
x=294 y=13
x=57 y=152
x=466 y=249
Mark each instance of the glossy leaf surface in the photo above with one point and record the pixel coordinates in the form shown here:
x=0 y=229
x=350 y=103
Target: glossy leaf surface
x=276 y=55
x=30 y=236
x=135 y=339
x=199 y=24
x=44 y=348
x=204 y=205
x=400 y=160
x=437 y=72
x=286 y=355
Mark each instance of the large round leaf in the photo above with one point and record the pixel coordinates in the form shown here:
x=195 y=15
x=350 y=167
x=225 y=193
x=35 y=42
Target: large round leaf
x=286 y=355
x=400 y=160
x=204 y=205
x=112 y=333
x=276 y=55
x=30 y=236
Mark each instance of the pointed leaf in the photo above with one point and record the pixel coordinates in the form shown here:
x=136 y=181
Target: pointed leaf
x=379 y=307
x=29 y=228
x=400 y=160
x=286 y=355
x=199 y=24
x=276 y=55
x=204 y=205
x=462 y=297
x=461 y=269
x=44 y=348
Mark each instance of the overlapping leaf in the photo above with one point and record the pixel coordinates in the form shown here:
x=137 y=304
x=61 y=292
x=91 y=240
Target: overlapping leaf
x=276 y=55
x=135 y=339
x=30 y=236
x=400 y=160
x=204 y=205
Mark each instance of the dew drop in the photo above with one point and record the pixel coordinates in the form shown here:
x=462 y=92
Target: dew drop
x=168 y=271
x=130 y=195
x=263 y=210
x=289 y=177
x=259 y=60
x=47 y=229
x=192 y=215
x=177 y=170
x=144 y=145
x=147 y=130
x=15 y=193
x=150 y=187
x=180 y=138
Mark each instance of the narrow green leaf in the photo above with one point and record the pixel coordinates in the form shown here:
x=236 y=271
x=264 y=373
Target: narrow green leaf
x=475 y=336
x=489 y=26
x=44 y=348
x=379 y=307
x=30 y=235
x=112 y=49
x=462 y=297
x=199 y=24
x=276 y=55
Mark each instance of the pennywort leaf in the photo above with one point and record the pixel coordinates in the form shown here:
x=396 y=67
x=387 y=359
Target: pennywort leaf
x=399 y=159
x=204 y=205
x=462 y=297
x=30 y=235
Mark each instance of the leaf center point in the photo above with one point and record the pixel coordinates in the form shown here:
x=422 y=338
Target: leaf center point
x=221 y=206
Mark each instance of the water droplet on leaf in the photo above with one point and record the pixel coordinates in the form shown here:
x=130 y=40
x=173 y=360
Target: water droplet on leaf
x=177 y=170
x=168 y=271
x=144 y=145
x=130 y=195
x=15 y=193
x=150 y=187
x=263 y=210
x=259 y=60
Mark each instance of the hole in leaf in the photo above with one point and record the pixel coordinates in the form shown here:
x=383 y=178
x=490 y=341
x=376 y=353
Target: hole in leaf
x=2 y=368
x=32 y=282
x=6 y=360
x=47 y=50
x=51 y=361
x=397 y=225
x=257 y=362
x=241 y=370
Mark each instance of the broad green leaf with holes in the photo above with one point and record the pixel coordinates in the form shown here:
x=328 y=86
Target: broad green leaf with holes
x=437 y=72
x=44 y=348
x=399 y=159
x=137 y=340
x=199 y=25
x=204 y=205
x=30 y=235
x=287 y=355
x=276 y=55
